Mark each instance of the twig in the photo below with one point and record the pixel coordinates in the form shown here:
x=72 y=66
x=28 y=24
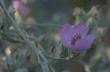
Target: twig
x=21 y=33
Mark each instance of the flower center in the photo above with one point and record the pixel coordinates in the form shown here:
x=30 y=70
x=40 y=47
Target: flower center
x=76 y=37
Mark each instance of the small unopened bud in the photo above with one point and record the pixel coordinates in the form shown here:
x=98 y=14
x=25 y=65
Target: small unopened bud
x=8 y=51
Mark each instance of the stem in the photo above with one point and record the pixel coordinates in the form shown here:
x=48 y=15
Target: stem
x=22 y=33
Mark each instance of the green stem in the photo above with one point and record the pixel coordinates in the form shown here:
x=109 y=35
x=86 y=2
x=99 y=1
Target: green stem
x=21 y=33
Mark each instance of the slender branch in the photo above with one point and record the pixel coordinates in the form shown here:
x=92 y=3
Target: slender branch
x=22 y=33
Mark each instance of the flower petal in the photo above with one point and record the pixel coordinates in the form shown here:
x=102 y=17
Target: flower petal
x=84 y=43
x=64 y=34
x=82 y=29
x=16 y=4
x=24 y=9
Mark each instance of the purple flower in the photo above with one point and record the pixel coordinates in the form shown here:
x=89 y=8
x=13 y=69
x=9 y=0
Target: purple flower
x=76 y=37
x=24 y=9
x=16 y=3
x=20 y=7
